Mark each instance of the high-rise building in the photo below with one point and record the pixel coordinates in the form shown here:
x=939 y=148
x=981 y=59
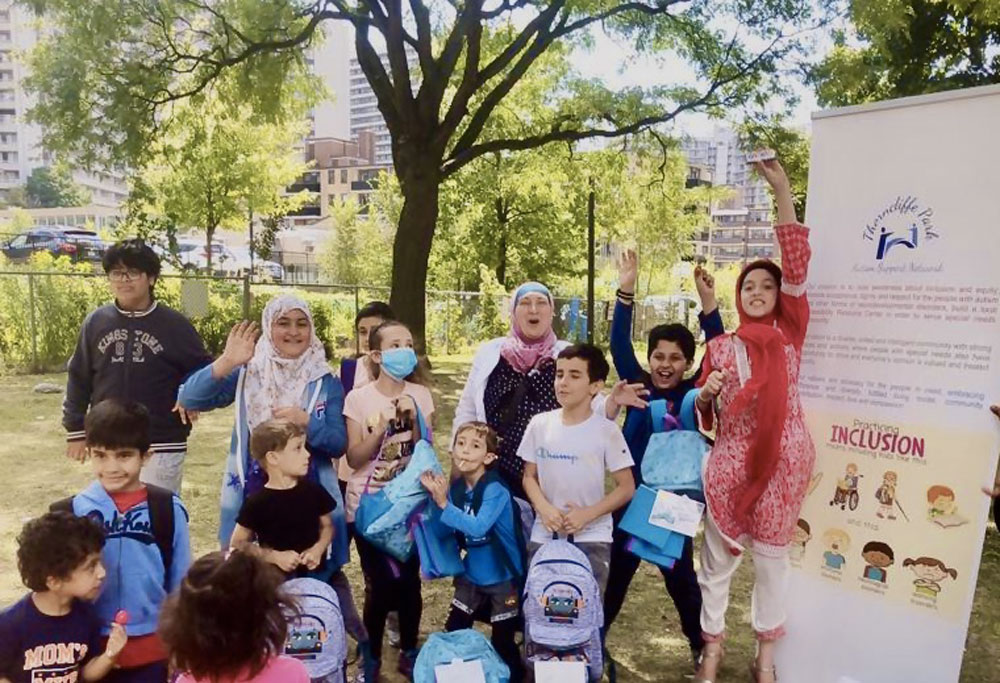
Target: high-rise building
x=365 y=115
x=741 y=229
x=21 y=150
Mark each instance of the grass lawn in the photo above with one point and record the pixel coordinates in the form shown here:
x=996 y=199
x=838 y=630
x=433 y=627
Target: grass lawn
x=646 y=640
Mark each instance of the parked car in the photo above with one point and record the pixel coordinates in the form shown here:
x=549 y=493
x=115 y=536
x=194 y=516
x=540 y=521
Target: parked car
x=78 y=244
x=263 y=270
x=192 y=257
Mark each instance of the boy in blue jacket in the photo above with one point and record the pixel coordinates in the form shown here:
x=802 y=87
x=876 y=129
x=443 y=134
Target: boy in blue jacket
x=143 y=566
x=480 y=509
x=670 y=354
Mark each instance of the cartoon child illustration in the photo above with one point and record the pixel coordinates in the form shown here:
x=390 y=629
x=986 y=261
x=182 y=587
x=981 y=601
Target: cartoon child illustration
x=801 y=536
x=837 y=543
x=886 y=496
x=847 y=486
x=930 y=572
x=879 y=557
x=942 y=508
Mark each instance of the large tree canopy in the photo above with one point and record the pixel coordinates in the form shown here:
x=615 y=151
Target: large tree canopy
x=896 y=48
x=104 y=76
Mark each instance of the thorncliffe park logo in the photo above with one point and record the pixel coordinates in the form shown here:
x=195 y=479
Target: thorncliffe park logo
x=904 y=223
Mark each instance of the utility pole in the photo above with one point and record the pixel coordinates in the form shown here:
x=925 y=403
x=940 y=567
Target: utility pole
x=591 y=248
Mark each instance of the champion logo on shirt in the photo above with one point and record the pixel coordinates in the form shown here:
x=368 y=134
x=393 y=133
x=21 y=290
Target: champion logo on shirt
x=542 y=453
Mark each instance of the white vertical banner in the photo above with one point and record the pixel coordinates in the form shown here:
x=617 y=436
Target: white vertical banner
x=900 y=365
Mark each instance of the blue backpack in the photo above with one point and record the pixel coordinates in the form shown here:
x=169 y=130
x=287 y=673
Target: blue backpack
x=466 y=645
x=382 y=517
x=563 y=612
x=674 y=456
x=316 y=634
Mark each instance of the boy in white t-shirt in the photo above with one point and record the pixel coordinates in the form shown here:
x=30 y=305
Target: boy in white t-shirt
x=566 y=453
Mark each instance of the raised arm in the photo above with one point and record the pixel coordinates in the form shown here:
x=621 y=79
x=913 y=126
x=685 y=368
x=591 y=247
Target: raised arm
x=793 y=239
x=622 y=351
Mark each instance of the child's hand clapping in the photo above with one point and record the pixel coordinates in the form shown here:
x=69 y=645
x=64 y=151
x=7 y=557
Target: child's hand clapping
x=116 y=641
x=437 y=486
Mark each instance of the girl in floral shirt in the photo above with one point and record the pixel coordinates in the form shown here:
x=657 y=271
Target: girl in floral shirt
x=758 y=473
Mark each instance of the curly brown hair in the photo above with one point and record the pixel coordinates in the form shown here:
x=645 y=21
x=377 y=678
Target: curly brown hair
x=228 y=618
x=54 y=545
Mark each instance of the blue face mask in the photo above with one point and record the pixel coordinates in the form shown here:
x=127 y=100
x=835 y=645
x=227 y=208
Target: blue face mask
x=399 y=363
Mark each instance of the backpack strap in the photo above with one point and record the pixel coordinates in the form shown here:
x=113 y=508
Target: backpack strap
x=657 y=411
x=348 y=368
x=161 y=519
x=688 y=420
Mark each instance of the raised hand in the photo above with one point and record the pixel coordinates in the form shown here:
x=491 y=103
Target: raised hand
x=628 y=271
x=704 y=282
x=632 y=395
x=772 y=171
x=240 y=343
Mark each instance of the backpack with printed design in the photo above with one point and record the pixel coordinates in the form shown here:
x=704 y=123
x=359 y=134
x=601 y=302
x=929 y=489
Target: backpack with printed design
x=563 y=613
x=316 y=634
x=466 y=645
x=676 y=451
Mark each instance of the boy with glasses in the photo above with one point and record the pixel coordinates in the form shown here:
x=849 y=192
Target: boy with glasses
x=135 y=349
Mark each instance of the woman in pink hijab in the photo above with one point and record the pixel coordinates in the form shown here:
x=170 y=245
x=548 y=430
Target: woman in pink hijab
x=512 y=378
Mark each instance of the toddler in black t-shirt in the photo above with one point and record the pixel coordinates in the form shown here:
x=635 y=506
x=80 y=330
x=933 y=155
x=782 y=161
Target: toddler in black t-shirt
x=290 y=516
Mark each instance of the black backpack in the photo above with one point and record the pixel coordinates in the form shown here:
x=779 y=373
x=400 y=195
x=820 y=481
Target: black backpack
x=161 y=521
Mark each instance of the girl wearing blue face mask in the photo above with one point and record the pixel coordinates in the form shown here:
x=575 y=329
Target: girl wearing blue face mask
x=381 y=430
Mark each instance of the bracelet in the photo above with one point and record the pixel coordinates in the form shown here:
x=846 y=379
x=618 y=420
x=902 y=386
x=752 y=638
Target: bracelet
x=625 y=295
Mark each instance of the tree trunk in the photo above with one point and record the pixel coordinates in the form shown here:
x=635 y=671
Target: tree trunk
x=501 y=211
x=209 y=233
x=419 y=181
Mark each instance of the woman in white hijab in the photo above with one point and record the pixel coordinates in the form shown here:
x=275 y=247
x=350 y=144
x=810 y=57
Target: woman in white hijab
x=279 y=371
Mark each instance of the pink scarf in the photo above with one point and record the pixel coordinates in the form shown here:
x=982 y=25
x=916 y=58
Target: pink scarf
x=522 y=353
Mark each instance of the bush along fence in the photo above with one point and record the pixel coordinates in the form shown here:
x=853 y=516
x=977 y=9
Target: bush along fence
x=41 y=312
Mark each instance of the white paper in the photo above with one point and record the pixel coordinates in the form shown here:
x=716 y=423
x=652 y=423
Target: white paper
x=554 y=671
x=460 y=672
x=676 y=513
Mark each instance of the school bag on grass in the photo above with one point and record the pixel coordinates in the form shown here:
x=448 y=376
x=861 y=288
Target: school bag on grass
x=466 y=645
x=563 y=613
x=676 y=451
x=316 y=634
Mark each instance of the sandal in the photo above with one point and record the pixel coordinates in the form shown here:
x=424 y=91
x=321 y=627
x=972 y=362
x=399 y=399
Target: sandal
x=705 y=654
x=756 y=670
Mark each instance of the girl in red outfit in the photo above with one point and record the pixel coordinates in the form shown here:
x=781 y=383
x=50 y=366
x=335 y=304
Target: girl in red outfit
x=759 y=469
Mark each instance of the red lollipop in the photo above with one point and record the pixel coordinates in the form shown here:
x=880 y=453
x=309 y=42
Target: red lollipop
x=121 y=617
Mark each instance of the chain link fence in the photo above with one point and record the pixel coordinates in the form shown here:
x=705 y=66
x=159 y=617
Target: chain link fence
x=41 y=313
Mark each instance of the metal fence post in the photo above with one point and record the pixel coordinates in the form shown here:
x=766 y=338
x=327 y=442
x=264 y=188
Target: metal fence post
x=357 y=309
x=34 y=328
x=246 y=296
